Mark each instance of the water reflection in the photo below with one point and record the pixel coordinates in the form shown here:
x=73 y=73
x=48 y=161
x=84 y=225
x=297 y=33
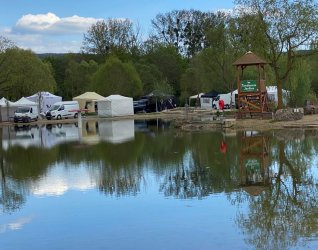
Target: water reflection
x=254 y=162
x=286 y=212
x=54 y=134
x=271 y=177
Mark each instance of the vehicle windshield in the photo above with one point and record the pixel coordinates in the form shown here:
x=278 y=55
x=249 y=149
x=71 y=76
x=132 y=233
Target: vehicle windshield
x=54 y=107
x=22 y=110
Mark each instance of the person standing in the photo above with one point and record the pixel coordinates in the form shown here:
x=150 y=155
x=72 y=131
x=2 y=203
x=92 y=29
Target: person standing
x=221 y=104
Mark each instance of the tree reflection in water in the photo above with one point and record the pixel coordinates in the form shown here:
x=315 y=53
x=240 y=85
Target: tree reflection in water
x=282 y=208
x=287 y=211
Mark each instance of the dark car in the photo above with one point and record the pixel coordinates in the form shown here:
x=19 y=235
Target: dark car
x=140 y=106
x=311 y=107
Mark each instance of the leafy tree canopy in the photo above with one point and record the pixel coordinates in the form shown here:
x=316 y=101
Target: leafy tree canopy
x=24 y=73
x=116 y=77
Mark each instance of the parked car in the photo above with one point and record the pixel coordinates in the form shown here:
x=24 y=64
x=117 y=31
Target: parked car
x=311 y=107
x=140 y=106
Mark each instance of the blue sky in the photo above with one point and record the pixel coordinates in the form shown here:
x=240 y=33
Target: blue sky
x=58 y=25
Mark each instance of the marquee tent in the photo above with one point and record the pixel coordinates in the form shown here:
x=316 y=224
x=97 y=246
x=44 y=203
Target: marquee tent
x=44 y=100
x=195 y=97
x=6 y=109
x=272 y=94
x=88 y=100
x=23 y=102
x=207 y=100
x=115 y=105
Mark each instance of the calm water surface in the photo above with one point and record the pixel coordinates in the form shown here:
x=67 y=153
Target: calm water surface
x=144 y=185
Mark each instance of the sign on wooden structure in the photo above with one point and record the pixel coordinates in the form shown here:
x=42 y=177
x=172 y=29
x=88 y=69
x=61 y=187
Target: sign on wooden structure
x=249 y=86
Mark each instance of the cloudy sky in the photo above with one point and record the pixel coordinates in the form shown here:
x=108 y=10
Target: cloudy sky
x=58 y=26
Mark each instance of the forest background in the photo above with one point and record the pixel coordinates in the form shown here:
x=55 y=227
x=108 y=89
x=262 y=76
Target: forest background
x=187 y=52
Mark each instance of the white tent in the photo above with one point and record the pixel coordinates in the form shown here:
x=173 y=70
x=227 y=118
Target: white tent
x=6 y=109
x=272 y=94
x=88 y=100
x=115 y=105
x=23 y=102
x=44 y=100
x=195 y=97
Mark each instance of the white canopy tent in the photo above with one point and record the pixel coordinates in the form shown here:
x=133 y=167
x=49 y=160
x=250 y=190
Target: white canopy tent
x=88 y=100
x=194 y=97
x=272 y=94
x=44 y=100
x=6 y=109
x=115 y=105
x=23 y=102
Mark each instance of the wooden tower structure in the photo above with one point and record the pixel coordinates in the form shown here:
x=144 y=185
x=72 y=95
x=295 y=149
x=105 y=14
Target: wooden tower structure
x=252 y=95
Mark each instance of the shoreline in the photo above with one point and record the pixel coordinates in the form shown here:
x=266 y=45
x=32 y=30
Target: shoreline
x=197 y=118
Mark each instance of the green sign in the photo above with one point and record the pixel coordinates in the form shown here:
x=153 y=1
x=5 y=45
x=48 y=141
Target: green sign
x=252 y=164
x=249 y=86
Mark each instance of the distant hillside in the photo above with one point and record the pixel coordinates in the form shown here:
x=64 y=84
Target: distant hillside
x=43 y=55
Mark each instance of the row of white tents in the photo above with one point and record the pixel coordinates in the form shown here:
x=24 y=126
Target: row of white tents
x=113 y=105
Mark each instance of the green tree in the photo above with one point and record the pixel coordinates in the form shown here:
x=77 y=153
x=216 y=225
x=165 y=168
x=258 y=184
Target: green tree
x=112 y=36
x=197 y=78
x=185 y=29
x=78 y=77
x=5 y=44
x=149 y=75
x=59 y=65
x=299 y=84
x=163 y=90
x=116 y=77
x=277 y=28
x=220 y=55
x=25 y=74
x=170 y=64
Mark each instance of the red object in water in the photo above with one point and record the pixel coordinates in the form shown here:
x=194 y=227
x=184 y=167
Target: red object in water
x=223 y=147
x=221 y=104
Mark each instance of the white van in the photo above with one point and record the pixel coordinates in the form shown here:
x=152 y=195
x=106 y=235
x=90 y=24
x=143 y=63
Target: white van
x=26 y=114
x=229 y=100
x=66 y=109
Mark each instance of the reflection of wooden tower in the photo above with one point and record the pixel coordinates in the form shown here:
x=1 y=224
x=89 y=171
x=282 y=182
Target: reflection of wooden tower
x=252 y=94
x=254 y=161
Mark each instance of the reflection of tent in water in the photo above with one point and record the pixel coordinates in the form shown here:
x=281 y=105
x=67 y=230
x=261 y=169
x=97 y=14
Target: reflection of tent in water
x=116 y=131
x=90 y=132
x=46 y=137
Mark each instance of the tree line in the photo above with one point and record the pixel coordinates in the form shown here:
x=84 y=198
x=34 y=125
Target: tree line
x=187 y=52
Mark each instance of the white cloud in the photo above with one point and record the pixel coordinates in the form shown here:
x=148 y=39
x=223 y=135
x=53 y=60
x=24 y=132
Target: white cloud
x=15 y=225
x=52 y=24
x=58 y=181
x=45 y=44
x=49 y=33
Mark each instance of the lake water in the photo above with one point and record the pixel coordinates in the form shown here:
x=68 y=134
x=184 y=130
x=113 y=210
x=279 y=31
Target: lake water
x=144 y=185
